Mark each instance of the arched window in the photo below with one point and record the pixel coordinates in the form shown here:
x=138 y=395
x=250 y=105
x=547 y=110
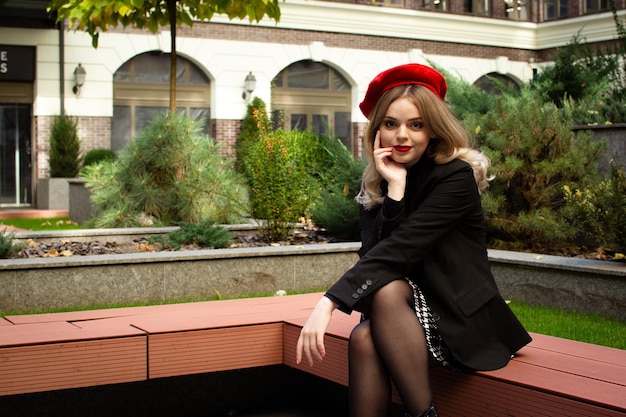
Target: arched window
x=489 y=83
x=311 y=95
x=141 y=89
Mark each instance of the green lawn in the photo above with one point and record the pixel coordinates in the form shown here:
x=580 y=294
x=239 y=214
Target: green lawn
x=570 y=325
x=55 y=223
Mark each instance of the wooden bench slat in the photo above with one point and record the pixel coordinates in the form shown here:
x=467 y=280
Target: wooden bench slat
x=554 y=381
x=73 y=364
x=218 y=307
x=214 y=350
x=37 y=333
x=581 y=366
x=471 y=395
x=575 y=348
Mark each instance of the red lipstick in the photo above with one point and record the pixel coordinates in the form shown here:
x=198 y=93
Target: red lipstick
x=402 y=148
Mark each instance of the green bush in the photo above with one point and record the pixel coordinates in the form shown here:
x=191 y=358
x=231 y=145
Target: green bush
x=336 y=210
x=534 y=153
x=288 y=171
x=206 y=234
x=170 y=173
x=65 y=159
x=255 y=122
x=599 y=211
x=95 y=156
x=280 y=186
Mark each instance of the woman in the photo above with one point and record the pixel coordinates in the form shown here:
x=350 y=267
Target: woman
x=423 y=282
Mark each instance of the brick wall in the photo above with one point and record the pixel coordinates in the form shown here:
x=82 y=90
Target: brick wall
x=43 y=129
x=225 y=133
x=342 y=40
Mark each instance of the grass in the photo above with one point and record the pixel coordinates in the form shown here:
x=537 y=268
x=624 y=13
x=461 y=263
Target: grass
x=588 y=328
x=54 y=223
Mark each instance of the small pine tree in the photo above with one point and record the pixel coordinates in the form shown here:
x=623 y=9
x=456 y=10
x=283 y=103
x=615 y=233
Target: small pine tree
x=170 y=173
x=65 y=158
x=534 y=153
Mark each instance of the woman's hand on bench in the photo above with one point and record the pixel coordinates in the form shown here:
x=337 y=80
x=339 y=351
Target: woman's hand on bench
x=311 y=341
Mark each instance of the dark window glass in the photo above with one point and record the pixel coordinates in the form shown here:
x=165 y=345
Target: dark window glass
x=320 y=124
x=298 y=122
x=308 y=74
x=120 y=128
x=343 y=123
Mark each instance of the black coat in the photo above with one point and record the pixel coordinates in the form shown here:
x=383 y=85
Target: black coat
x=436 y=237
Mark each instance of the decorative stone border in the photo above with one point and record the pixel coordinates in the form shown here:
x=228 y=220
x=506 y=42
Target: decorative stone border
x=45 y=283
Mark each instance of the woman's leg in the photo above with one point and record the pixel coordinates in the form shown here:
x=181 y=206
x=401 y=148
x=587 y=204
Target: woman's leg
x=369 y=386
x=400 y=341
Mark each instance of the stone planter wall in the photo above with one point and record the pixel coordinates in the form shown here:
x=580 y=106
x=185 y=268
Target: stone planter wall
x=53 y=193
x=79 y=201
x=46 y=283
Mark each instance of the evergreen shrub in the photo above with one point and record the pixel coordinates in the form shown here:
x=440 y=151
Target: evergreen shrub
x=170 y=173
x=534 y=153
x=336 y=209
x=206 y=235
x=65 y=158
x=599 y=211
x=95 y=156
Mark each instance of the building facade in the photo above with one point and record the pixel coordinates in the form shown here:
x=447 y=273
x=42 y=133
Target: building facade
x=312 y=68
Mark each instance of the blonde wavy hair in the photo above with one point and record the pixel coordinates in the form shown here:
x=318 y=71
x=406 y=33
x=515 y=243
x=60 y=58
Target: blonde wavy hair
x=450 y=140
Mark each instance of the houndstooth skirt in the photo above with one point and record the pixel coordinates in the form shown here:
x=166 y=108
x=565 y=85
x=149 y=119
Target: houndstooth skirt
x=436 y=346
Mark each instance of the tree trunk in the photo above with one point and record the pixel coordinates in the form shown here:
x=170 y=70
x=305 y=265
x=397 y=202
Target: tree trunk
x=171 y=5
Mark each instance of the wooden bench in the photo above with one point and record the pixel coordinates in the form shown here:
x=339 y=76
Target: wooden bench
x=550 y=377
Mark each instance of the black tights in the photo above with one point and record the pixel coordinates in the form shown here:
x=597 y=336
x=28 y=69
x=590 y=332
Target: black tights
x=389 y=346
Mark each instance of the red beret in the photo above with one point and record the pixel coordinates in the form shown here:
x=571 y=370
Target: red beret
x=403 y=74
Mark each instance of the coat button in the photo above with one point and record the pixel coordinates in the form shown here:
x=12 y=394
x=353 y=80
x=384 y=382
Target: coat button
x=368 y=282
x=359 y=291
x=364 y=286
x=436 y=317
x=355 y=296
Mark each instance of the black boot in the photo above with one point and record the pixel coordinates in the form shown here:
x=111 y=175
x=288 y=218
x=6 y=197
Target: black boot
x=431 y=412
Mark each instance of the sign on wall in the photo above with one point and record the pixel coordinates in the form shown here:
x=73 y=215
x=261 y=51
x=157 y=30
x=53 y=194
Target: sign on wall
x=17 y=63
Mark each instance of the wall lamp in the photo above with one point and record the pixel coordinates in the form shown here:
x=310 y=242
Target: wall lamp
x=249 y=85
x=79 y=78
